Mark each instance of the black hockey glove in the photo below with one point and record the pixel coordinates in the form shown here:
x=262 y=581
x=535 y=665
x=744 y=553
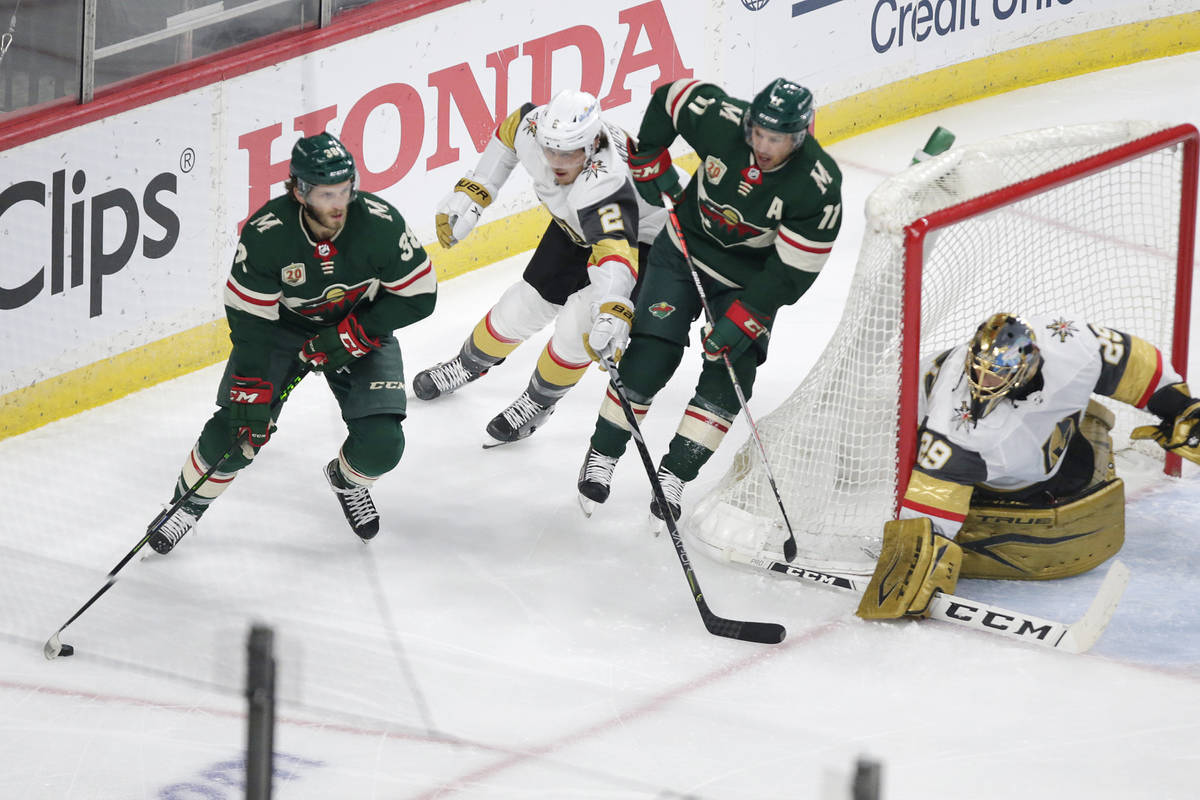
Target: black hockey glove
x=1179 y=431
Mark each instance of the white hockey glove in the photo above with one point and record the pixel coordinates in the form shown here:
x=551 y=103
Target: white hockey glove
x=460 y=210
x=609 y=335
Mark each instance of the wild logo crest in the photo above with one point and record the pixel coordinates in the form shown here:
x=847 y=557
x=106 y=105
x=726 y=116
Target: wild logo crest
x=334 y=300
x=662 y=309
x=725 y=223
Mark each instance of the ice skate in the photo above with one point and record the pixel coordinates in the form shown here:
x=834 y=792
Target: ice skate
x=595 y=479
x=446 y=378
x=518 y=421
x=672 y=488
x=172 y=530
x=356 y=503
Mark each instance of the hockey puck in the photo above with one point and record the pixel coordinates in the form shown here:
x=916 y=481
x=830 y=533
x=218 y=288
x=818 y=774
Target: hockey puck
x=67 y=650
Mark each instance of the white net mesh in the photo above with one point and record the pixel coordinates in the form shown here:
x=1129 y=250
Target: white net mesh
x=1101 y=248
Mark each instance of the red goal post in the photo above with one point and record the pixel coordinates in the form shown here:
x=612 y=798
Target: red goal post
x=1092 y=222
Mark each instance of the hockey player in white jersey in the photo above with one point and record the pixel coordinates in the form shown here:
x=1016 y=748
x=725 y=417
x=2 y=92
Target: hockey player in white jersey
x=582 y=274
x=1014 y=475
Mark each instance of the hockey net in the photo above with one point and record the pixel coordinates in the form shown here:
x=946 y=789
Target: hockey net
x=1095 y=223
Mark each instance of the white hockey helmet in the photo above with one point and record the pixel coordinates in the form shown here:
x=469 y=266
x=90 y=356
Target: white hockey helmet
x=570 y=121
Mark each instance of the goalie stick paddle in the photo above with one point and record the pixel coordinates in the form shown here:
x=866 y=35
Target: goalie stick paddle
x=762 y=632
x=54 y=646
x=1074 y=637
x=789 y=545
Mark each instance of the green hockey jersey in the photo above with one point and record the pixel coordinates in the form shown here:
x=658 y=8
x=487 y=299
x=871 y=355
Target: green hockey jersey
x=768 y=232
x=284 y=278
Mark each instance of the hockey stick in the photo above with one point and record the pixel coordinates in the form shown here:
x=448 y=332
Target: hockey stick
x=1074 y=637
x=54 y=646
x=762 y=632
x=789 y=546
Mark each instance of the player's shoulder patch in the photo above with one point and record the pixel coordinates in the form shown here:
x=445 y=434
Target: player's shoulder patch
x=278 y=214
x=378 y=212
x=603 y=176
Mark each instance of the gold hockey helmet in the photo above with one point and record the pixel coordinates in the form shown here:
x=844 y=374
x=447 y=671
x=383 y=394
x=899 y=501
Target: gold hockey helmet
x=1002 y=359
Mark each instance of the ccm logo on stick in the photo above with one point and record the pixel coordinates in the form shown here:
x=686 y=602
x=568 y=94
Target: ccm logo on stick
x=996 y=621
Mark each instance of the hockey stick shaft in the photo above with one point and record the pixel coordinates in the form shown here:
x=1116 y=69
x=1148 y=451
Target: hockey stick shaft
x=789 y=546
x=53 y=645
x=762 y=632
x=1075 y=637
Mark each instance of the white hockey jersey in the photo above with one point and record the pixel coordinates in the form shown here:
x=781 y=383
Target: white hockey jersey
x=1020 y=443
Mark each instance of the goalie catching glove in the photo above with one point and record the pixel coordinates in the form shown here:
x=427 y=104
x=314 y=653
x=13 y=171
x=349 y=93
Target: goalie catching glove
x=609 y=335
x=914 y=563
x=734 y=332
x=1179 y=431
x=337 y=346
x=460 y=210
x=653 y=174
x=250 y=412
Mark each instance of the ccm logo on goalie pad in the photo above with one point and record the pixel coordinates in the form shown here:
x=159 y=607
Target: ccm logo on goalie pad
x=385 y=385
x=997 y=621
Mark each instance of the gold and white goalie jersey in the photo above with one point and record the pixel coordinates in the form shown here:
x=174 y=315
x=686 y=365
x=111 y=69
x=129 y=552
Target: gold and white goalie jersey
x=1020 y=443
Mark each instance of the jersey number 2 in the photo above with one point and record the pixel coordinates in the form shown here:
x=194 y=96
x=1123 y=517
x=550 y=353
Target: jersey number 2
x=610 y=218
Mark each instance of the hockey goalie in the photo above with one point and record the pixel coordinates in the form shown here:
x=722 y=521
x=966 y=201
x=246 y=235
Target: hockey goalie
x=1014 y=476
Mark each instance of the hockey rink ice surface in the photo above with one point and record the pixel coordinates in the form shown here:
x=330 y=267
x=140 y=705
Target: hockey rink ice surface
x=494 y=643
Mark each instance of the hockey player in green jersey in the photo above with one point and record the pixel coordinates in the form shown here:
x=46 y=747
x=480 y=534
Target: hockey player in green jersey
x=759 y=219
x=322 y=276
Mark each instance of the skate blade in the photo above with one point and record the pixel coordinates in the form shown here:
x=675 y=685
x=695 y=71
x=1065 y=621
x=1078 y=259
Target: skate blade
x=655 y=525
x=489 y=443
x=586 y=505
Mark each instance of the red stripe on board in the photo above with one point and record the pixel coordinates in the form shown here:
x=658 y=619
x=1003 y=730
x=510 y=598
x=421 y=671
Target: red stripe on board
x=64 y=114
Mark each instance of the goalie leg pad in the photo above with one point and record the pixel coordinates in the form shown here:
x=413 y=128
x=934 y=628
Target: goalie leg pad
x=1013 y=542
x=914 y=563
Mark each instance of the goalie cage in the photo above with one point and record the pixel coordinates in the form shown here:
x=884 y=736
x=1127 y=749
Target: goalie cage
x=1093 y=222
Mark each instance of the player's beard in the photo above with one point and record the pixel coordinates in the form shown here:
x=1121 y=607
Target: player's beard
x=325 y=221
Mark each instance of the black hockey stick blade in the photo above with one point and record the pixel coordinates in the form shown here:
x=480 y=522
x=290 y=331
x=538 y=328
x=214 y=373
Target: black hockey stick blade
x=761 y=632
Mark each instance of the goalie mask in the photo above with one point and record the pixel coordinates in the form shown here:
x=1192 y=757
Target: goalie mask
x=568 y=127
x=1001 y=361
x=784 y=107
x=322 y=160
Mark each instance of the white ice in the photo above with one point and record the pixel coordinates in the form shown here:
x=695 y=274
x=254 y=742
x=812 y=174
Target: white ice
x=492 y=643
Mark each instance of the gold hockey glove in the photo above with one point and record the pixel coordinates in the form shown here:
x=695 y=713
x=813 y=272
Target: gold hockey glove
x=460 y=210
x=609 y=335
